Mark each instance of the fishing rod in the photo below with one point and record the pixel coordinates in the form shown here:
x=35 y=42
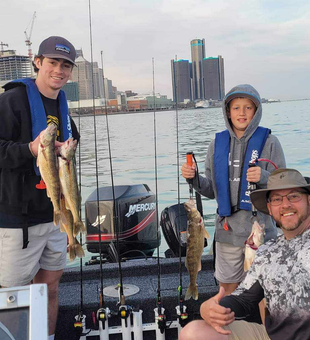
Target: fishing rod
x=79 y=324
x=101 y=314
x=161 y=317
x=181 y=308
x=124 y=310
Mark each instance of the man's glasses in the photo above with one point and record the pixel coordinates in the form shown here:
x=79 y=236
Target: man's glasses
x=293 y=197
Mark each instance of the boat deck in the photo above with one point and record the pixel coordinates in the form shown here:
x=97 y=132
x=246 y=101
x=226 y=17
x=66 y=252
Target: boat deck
x=141 y=273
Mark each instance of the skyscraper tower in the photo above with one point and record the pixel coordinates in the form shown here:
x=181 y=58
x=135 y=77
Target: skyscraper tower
x=181 y=80
x=198 y=53
x=213 y=78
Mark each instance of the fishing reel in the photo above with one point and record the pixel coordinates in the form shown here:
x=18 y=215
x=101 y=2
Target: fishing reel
x=161 y=322
x=102 y=315
x=124 y=312
x=182 y=315
x=79 y=325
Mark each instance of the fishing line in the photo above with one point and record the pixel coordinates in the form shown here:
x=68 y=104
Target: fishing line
x=156 y=192
x=96 y=157
x=115 y=222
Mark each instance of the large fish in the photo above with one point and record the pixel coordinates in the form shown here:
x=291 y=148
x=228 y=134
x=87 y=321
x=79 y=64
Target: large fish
x=69 y=184
x=255 y=239
x=48 y=165
x=74 y=247
x=196 y=233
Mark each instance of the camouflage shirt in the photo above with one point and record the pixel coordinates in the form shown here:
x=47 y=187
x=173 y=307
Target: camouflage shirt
x=280 y=273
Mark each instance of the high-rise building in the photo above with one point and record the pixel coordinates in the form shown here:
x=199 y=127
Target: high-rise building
x=198 y=53
x=13 y=66
x=108 y=88
x=181 y=80
x=213 y=78
x=71 y=90
x=82 y=74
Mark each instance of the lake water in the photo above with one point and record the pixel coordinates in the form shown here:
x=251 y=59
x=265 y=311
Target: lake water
x=132 y=149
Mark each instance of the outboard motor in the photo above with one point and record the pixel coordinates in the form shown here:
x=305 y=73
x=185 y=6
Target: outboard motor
x=135 y=218
x=173 y=222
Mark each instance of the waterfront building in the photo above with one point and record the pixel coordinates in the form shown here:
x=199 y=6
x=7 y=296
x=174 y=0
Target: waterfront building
x=108 y=88
x=13 y=66
x=181 y=80
x=82 y=75
x=198 y=54
x=71 y=90
x=160 y=101
x=213 y=78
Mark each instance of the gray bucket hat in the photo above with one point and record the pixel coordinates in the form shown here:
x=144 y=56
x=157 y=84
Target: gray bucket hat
x=57 y=47
x=278 y=180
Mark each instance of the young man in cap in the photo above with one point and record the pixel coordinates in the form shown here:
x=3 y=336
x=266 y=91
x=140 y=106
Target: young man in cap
x=227 y=178
x=280 y=273
x=32 y=249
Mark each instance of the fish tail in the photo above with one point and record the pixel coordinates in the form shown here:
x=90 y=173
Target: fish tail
x=72 y=252
x=79 y=252
x=78 y=227
x=192 y=292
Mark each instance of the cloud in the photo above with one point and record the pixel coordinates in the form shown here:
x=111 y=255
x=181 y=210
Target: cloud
x=262 y=42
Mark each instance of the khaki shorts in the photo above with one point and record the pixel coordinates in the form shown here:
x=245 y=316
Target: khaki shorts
x=242 y=330
x=229 y=262
x=46 y=250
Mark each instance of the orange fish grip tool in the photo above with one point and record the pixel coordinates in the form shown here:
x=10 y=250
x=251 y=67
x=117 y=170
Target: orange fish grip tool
x=189 y=161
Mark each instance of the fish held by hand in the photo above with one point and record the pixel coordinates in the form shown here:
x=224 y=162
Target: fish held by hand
x=196 y=233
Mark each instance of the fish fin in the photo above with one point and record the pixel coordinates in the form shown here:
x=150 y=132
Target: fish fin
x=199 y=267
x=206 y=234
x=78 y=227
x=192 y=292
x=57 y=217
x=62 y=227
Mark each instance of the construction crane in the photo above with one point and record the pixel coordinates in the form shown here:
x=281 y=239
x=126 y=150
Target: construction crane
x=2 y=45
x=28 y=41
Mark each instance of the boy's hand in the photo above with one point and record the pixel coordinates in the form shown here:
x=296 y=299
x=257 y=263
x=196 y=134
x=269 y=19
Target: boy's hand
x=215 y=315
x=188 y=172
x=253 y=174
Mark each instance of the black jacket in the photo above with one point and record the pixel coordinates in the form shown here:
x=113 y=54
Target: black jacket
x=20 y=201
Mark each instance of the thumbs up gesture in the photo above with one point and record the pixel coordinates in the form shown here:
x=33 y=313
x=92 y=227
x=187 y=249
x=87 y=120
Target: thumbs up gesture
x=215 y=315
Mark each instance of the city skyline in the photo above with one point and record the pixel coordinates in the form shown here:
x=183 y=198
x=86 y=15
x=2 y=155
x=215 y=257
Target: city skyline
x=264 y=44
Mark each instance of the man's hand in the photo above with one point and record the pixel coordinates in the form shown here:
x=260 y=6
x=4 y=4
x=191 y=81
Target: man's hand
x=215 y=315
x=34 y=146
x=253 y=174
x=188 y=172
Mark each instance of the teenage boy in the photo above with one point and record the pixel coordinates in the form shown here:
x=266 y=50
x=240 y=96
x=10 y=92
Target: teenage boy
x=227 y=178
x=280 y=273
x=32 y=249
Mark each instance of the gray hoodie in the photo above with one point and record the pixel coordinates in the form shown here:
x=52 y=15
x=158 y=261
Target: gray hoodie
x=240 y=223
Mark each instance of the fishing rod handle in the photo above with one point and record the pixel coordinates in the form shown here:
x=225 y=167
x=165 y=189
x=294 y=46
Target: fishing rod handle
x=189 y=158
x=252 y=184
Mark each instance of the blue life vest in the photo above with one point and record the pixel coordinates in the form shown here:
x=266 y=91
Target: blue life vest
x=38 y=115
x=221 y=169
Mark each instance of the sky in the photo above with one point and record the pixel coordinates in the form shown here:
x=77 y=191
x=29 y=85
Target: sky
x=265 y=43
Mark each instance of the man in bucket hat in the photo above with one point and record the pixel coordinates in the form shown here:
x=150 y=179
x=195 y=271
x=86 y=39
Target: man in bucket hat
x=32 y=249
x=280 y=273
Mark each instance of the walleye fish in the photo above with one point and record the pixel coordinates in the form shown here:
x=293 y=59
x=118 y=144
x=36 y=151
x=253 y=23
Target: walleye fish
x=75 y=249
x=48 y=165
x=69 y=184
x=196 y=233
x=255 y=239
